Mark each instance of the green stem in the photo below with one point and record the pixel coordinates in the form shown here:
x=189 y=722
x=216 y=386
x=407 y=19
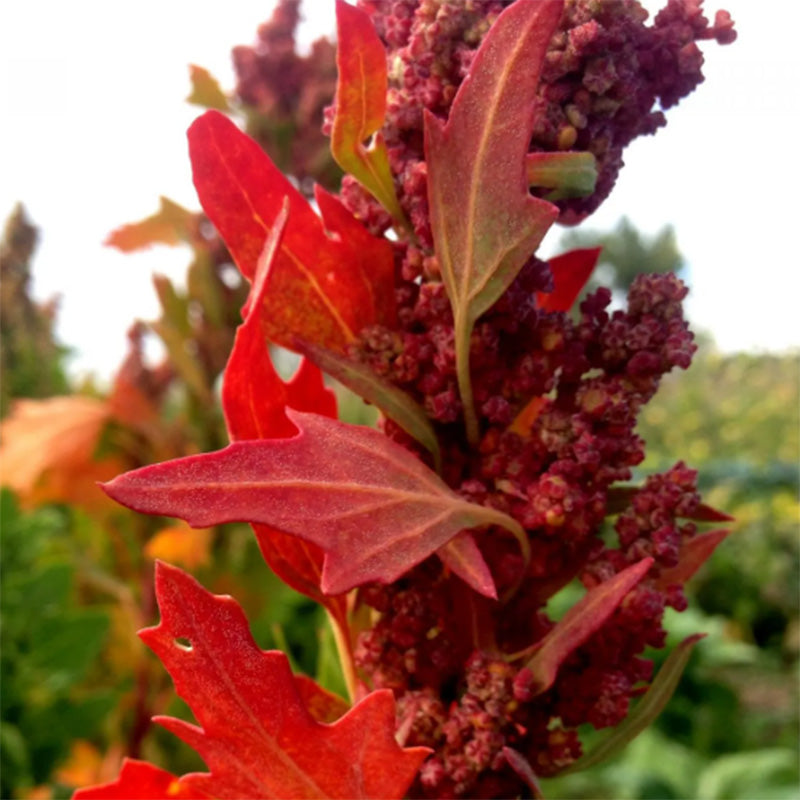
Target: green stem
x=463 y=331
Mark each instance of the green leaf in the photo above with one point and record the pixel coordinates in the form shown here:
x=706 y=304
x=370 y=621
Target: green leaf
x=67 y=645
x=769 y=774
x=206 y=91
x=567 y=174
x=647 y=709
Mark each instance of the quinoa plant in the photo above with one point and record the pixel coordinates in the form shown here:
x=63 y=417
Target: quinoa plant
x=501 y=472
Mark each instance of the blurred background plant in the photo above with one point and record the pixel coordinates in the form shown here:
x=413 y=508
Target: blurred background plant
x=79 y=690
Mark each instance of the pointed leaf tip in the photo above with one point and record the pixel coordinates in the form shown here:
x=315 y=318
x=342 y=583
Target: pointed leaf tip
x=582 y=620
x=571 y=271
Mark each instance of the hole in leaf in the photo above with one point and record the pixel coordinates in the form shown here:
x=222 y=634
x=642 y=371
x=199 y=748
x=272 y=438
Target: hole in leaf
x=182 y=643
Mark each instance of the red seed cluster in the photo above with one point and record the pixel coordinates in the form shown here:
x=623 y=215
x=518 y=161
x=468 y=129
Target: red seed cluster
x=284 y=95
x=606 y=80
x=587 y=379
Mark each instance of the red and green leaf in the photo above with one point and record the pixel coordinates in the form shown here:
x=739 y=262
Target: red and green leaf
x=485 y=222
x=580 y=622
x=372 y=506
x=255 y=734
x=693 y=554
x=570 y=272
x=323 y=288
x=360 y=107
x=646 y=710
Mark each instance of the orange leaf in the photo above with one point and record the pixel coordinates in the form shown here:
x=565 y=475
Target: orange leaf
x=180 y=544
x=48 y=447
x=170 y=225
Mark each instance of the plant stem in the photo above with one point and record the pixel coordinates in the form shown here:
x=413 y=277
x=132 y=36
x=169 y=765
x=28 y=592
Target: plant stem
x=463 y=330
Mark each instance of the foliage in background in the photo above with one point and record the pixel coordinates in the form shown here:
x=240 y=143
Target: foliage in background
x=31 y=361
x=627 y=252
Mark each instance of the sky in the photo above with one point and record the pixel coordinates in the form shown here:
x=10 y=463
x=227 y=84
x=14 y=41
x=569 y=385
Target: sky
x=93 y=132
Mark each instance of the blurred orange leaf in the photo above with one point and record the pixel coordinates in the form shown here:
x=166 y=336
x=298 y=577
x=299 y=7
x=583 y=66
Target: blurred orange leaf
x=48 y=447
x=86 y=764
x=206 y=91
x=180 y=544
x=169 y=225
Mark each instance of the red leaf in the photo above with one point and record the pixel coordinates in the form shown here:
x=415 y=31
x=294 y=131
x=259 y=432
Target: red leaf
x=524 y=770
x=323 y=705
x=372 y=256
x=144 y=782
x=361 y=106
x=372 y=506
x=485 y=222
x=694 y=553
x=254 y=397
x=255 y=735
x=580 y=622
x=570 y=272
x=323 y=289
x=705 y=513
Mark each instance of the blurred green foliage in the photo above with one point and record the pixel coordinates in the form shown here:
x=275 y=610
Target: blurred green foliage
x=49 y=658
x=31 y=361
x=626 y=253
